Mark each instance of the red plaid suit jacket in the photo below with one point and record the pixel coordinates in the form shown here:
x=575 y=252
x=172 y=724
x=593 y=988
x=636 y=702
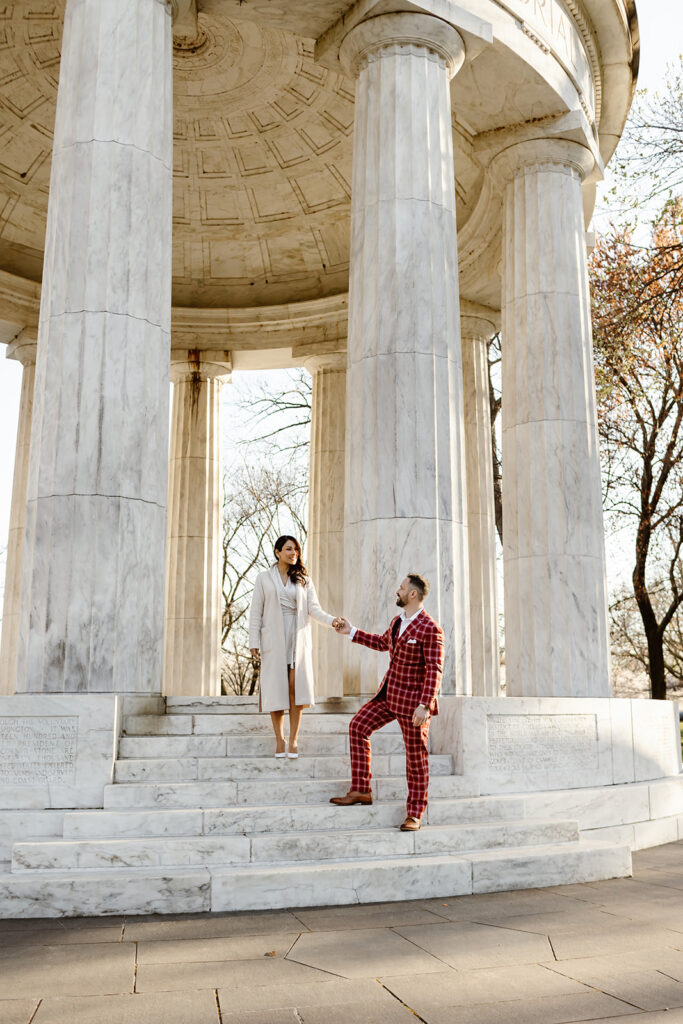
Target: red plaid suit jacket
x=416 y=665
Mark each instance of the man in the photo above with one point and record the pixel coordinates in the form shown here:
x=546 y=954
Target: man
x=408 y=694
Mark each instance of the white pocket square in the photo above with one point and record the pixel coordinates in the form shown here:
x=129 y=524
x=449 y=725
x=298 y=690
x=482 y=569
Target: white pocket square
x=411 y=641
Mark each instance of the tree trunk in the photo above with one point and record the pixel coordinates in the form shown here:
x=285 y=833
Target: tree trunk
x=655 y=651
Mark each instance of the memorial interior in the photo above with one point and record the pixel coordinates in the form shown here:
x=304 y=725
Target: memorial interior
x=368 y=190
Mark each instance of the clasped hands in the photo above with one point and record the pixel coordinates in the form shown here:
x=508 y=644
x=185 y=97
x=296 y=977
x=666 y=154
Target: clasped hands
x=341 y=625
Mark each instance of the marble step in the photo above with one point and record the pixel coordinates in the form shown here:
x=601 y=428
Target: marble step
x=337 y=883
x=291 y=847
x=189 y=769
x=246 y=746
x=333 y=744
x=178 y=890
x=290 y=790
x=249 y=706
x=240 y=724
x=297 y=817
x=95 y=893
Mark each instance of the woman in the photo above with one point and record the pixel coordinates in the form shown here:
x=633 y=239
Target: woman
x=284 y=601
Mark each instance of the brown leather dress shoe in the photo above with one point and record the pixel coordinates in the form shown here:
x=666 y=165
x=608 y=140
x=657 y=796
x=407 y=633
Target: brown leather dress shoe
x=410 y=825
x=352 y=797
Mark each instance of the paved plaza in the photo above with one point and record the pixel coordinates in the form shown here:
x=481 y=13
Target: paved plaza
x=599 y=951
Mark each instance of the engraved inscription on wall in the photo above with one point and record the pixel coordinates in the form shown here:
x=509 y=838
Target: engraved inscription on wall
x=37 y=750
x=542 y=743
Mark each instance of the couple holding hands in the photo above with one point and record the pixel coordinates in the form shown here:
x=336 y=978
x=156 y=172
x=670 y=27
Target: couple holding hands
x=282 y=606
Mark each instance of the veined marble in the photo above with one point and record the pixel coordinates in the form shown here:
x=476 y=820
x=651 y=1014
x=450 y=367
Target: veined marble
x=325 y=541
x=92 y=596
x=22 y=349
x=557 y=636
x=405 y=502
x=481 y=515
x=194 y=595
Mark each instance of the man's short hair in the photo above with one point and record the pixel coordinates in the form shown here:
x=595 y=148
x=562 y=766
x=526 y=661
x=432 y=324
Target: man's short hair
x=419 y=583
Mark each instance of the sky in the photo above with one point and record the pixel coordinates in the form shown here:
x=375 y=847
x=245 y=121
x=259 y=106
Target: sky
x=661 y=36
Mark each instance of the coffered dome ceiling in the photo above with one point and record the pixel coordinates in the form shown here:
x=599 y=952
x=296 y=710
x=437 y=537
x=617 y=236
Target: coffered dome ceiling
x=262 y=149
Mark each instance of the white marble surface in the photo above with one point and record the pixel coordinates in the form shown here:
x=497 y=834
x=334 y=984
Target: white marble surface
x=405 y=503
x=338 y=884
x=146 y=852
x=23 y=349
x=24 y=824
x=132 y=824
x=481 y=516
x=555 y=591
x=501 y=870
x=556 y=743
x=325 y=540
x=194 y=597
x=92 y=598
x=52 y=772
x=93 y=893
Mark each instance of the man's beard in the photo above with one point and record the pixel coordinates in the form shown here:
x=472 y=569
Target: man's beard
x=400 y=601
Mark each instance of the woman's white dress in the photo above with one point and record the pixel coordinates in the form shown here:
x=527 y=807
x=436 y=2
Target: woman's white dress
x=284 y=637
x=288 y=605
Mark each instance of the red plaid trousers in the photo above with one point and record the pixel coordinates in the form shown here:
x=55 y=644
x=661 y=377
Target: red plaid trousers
x=371 y=717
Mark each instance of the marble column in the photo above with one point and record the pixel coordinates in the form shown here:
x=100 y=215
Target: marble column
x=194 y=598
x=23 y=349
x=92 y=612
x=405 y=501
x=481 y=514
x=555 y=592
x=325 y=542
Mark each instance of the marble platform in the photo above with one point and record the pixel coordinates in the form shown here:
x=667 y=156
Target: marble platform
x=195 y=814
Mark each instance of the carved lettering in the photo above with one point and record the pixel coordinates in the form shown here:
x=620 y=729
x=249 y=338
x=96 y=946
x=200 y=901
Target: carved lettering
x=37 y=750
x=542 y=743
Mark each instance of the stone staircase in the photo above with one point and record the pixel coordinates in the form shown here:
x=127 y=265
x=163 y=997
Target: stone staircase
x=201 y=816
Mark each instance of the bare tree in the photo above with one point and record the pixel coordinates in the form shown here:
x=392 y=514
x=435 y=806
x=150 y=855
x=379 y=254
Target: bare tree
x=282 y=418
x=260 y=502
x=638 y=331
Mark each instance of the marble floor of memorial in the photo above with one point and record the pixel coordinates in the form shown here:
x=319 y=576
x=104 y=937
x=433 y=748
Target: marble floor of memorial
x=600 y=951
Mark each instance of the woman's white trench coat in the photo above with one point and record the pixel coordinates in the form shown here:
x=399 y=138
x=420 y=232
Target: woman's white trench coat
x=267 y=632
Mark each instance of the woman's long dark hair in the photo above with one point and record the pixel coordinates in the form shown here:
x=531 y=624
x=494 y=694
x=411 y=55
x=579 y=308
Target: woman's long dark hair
x=297 y=573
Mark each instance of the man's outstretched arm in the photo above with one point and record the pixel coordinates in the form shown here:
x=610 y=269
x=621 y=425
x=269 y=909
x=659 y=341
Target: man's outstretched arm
x=375 y=641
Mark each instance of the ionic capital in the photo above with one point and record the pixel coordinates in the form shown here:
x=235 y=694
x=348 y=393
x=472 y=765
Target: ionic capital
x=200 y=364
x=23 y=348
x=401 y=30
x=515 y=159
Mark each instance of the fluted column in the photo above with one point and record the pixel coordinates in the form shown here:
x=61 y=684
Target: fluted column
x=325 y=541
x=93 y=584
x=481 y=513
x=405 y=504
x=23 y=349
x=555 y=593
x=193 y=577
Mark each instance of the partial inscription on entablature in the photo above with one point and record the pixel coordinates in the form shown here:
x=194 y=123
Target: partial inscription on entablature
x=548 y=22
x=542 y=743
x=37 y=750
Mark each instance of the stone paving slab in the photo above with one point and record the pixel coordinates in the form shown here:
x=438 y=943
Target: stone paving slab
x=17 y=1011
x=192 y=1007
x=83 y=969
x=609 y=951
x=547 y=1010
